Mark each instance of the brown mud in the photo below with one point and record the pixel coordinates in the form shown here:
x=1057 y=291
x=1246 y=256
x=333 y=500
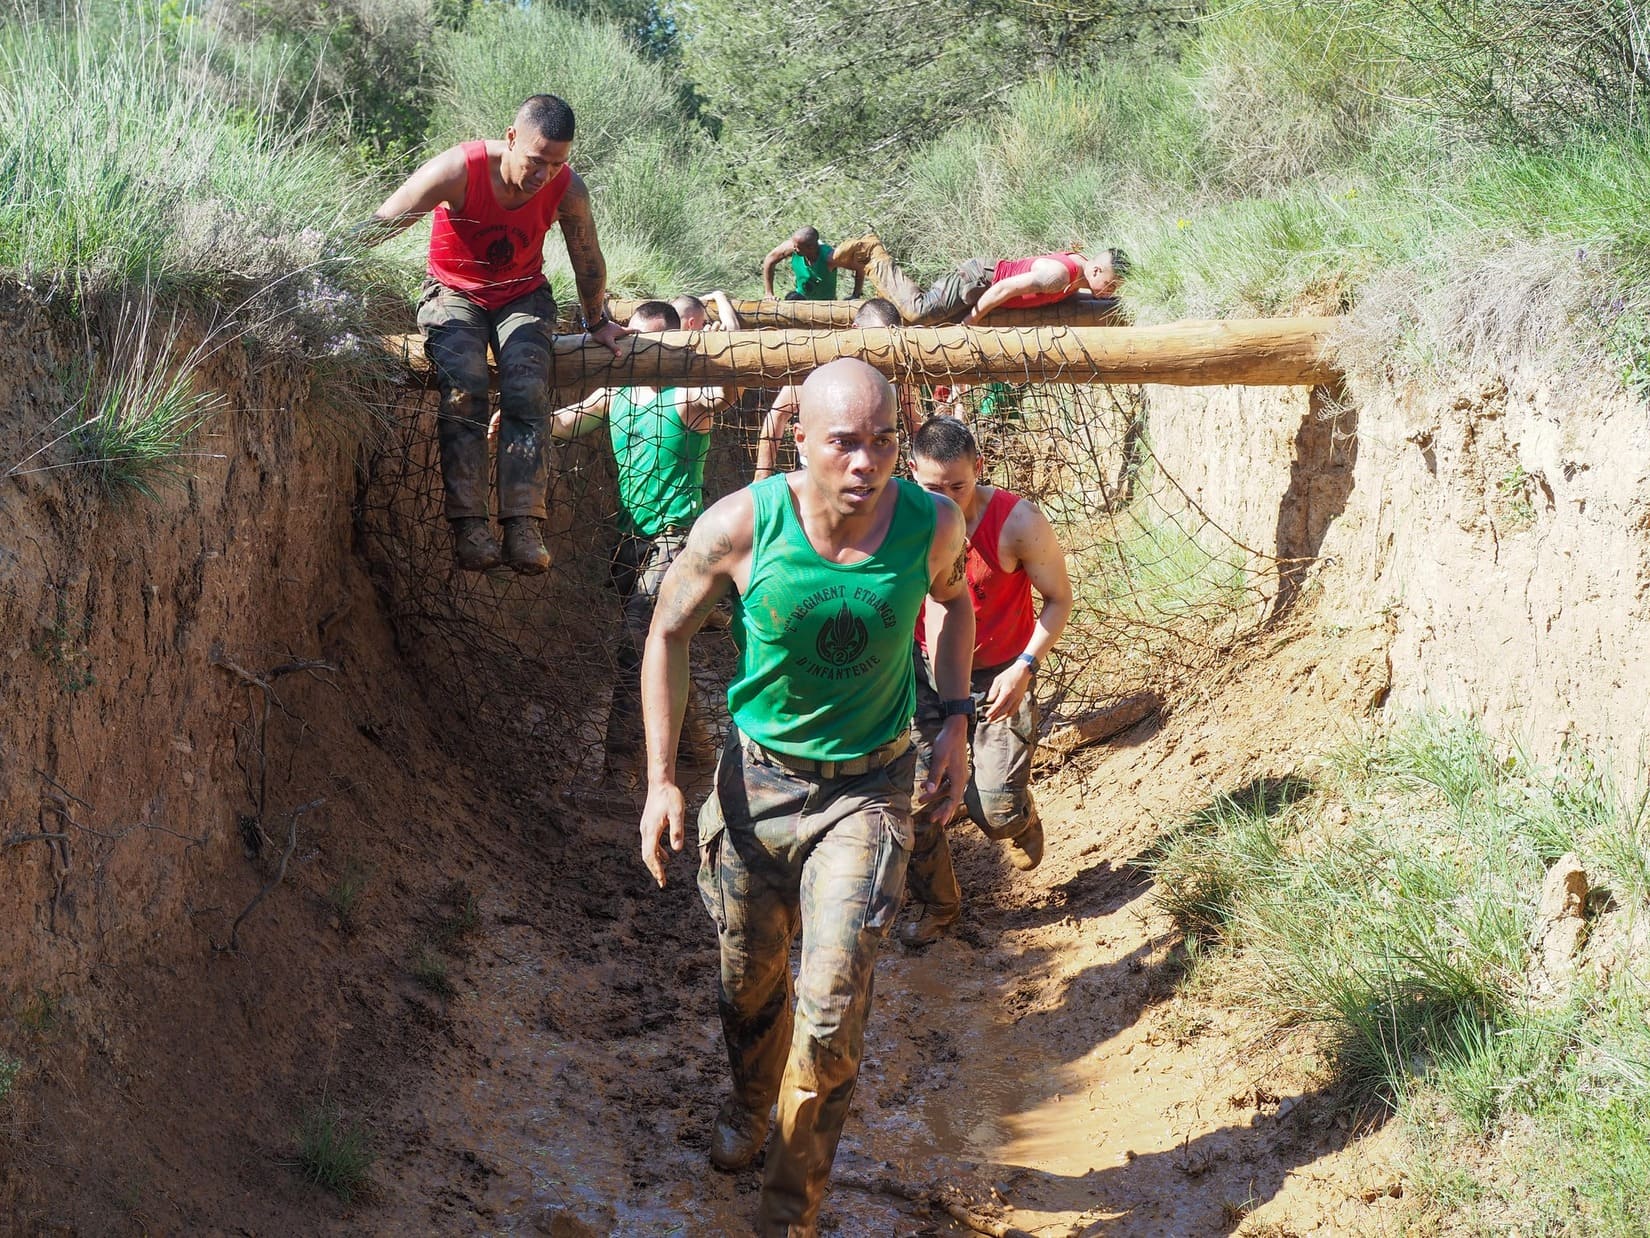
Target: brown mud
x=1038 y=1063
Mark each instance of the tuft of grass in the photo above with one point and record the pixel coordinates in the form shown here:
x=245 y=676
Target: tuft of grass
x=1235 y=843
x=429 y=969
x=345 y=893
x=10 y=1068
x=334 y=1153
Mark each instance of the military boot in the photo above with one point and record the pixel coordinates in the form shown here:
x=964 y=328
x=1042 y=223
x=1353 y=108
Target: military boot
x=524 y=545
x=934 y=923
x=1025 y=849
x=474 y=548
x=737 y=1137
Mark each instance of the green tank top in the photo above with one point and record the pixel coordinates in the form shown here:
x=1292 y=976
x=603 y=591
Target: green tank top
x=661 y=463
x=815 y=281
x=825 y=669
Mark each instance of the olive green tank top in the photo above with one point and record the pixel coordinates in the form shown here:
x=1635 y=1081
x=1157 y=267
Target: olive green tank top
x=816 y=280
x=661 y=463
x=825 y=669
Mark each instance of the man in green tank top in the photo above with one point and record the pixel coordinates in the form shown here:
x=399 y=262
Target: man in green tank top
x=809 y=825
x=661 y=438
x=813 y=267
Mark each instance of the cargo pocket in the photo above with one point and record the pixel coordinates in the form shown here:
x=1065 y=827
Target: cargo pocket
x=894 y=841
x=712 y=830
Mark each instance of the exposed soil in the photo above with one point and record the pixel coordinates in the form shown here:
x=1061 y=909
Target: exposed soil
x=1038 y=1062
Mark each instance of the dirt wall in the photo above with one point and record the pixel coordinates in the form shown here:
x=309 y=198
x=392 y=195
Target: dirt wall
x=130 y=781
x=1500 y=526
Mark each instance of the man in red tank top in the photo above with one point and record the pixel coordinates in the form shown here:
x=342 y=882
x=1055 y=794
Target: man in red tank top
x=1012 y=550
x=493 y=203
x=977 y=287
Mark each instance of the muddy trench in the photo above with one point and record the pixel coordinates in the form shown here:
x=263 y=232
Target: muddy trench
x=325 y=833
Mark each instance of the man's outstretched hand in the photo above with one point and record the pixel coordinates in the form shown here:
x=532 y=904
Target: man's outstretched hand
x=665 y=810
x=608 y=336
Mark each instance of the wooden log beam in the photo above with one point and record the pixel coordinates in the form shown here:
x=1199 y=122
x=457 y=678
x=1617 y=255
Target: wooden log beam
x=1252 y=352
x=768 y=313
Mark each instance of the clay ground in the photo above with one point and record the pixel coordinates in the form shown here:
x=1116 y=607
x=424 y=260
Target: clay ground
x=1038 y=1061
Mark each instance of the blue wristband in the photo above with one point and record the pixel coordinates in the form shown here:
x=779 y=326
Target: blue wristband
x=1029 y=661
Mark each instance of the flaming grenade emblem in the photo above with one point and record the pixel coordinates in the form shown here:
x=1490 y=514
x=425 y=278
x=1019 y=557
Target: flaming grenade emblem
x=842 y=638
x=500 y=252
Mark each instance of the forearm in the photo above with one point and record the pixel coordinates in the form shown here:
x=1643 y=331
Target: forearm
x=1051 y=623
x=768 y=265
x=665 y=682
x=951 y=641
x=377 y=228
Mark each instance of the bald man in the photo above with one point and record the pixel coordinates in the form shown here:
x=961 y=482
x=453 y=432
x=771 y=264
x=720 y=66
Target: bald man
x=494 y=201
x=809 y=825
x=813 y=268
x=877 y=312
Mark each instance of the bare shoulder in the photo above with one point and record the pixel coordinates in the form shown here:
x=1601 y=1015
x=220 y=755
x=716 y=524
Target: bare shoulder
x=949 y=523
x=577 y=195
x=726 y=528
x=1026 y=530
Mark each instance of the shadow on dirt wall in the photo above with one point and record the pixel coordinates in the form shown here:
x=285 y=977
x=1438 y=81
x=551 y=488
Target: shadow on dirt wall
x=1321 y=477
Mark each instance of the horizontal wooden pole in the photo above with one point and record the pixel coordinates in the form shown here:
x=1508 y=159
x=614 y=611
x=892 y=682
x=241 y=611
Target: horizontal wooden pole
x=1252 y=352
x=768 y=313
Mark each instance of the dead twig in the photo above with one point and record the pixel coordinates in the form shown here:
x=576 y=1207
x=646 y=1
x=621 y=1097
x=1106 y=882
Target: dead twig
x=280 y=873
x=948 y=1199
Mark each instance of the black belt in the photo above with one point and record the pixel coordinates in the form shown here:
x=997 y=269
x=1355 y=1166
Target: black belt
x=853 y=767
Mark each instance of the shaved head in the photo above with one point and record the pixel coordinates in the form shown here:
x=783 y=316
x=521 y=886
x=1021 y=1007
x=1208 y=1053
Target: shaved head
x=845 y=388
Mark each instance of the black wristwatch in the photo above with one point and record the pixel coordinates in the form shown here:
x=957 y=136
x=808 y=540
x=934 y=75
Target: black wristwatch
x=600 y=322
x=963 y=705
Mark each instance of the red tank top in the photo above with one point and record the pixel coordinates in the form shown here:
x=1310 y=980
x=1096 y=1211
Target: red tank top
x=490 y=253
x=1003 y=615
x=1019 y=266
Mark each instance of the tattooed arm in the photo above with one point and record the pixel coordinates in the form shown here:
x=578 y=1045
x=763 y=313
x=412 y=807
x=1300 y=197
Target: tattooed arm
x=584 y=251
x=715 y=559
x=951 y=645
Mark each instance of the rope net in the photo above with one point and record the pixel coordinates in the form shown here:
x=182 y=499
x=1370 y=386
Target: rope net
x=524 y=668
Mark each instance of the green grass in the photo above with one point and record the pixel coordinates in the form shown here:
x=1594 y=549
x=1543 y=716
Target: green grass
x=430 y=971
x=334 y=1153
x=1388 y=915
x=10 y=1068
x=345 y=893
x=138 y=430
x=121 y=166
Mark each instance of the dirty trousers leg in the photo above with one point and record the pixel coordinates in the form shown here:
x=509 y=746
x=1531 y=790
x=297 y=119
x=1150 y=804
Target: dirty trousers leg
x=999 y=792
x=456 y=332
x=521 y=342
x=850 y=890
x=932 y=877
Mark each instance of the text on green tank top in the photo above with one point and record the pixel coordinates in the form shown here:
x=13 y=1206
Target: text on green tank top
x=661 y=463
x=825 y=668
x=816 y=280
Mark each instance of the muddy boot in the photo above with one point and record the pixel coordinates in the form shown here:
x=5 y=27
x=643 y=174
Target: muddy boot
x=474 y=548
x=524 y=545
x=856 y=253
x=1025 y=849
x=737 y=1137
x=933 y=924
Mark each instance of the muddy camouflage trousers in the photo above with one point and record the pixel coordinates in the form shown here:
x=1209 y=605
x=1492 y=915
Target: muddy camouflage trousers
x=998 y=799
x=782 y=852
x=637 y=573
x=457 y=333
x=948 y=300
